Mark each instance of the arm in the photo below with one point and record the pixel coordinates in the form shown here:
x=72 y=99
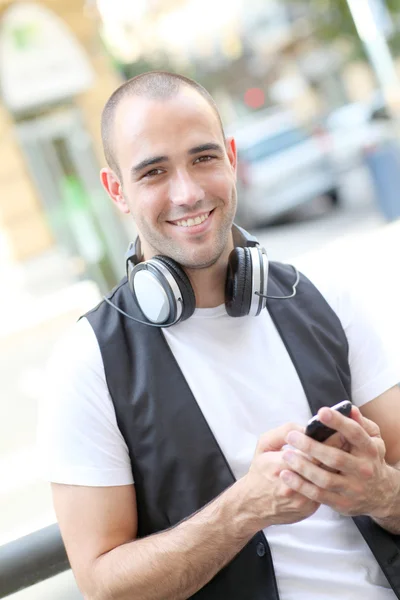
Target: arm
x=99 y=527
x=385 y=412
x=390 y=518
x=109 y=564
x=366 y=479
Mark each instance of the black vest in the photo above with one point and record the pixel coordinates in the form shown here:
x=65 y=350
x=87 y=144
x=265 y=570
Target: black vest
x=177 y=464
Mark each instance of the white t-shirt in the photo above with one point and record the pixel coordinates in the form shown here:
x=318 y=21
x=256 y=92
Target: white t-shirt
x=245 y=384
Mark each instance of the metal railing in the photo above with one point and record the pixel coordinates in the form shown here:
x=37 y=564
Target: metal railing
x=31 y=559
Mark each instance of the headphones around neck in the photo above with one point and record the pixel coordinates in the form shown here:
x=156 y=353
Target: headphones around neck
x=164 y=295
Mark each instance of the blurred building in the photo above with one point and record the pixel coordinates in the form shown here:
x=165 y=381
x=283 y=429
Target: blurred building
x=55 y=78
x=257 y=54
x=245 y=56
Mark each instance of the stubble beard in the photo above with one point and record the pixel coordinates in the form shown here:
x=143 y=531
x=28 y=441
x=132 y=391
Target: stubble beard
x=194 y=257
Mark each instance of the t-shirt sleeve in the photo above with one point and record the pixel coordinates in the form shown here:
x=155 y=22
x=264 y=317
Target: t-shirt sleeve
x=374 y=359
x=374 y=353
x=79 y=442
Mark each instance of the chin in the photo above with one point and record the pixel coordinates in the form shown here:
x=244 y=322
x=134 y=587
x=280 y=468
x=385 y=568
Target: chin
x=195 y=259
x=205 y=263
x=202 y=258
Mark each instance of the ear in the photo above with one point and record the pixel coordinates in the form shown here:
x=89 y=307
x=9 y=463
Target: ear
x=231 y=151
x=113 y=188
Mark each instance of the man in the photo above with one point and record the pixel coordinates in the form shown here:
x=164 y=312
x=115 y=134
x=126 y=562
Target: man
x=159 y=500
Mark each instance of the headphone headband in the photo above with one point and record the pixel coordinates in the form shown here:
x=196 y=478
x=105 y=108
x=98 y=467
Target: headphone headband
x=242 y=238
x=134 y=253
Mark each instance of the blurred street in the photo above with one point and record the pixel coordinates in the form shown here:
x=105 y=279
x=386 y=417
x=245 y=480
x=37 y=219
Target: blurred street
x=316 y=224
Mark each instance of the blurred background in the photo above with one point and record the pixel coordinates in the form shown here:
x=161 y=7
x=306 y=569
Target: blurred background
x=310 y=90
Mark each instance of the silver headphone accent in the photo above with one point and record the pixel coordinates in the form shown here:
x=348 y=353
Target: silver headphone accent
x=152 y=297
x=260 y=268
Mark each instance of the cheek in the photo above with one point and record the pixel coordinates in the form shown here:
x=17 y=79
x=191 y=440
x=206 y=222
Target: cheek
x=221 y=185
x=148 y=204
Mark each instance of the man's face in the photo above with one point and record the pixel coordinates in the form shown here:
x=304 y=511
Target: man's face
x=178 y=176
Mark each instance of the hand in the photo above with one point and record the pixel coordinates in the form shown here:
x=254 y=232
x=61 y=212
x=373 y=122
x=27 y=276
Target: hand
x=269 y=501
x=359 y=481
x=335 y=441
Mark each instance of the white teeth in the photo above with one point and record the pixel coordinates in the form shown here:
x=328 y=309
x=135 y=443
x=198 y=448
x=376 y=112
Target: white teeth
x=190 y=222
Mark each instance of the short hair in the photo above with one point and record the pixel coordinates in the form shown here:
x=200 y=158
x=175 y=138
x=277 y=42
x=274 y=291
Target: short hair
x=157 y=85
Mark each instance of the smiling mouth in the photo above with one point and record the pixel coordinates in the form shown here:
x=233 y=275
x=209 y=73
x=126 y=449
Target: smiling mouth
x=192 y=221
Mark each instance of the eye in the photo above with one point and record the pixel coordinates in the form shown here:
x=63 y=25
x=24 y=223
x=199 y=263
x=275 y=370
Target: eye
x=206 y=158
x=153 y=173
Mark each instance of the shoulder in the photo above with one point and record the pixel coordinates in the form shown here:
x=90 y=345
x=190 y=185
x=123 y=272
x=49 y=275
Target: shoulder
x=374 y=355
x=330 y=285
x=75 y=374
x=79 y=442
x=77 y=350
x=76 y=387
x=119 y=295
x=308 y=277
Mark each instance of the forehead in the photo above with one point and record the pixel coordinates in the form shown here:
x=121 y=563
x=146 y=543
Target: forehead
x=161 y=126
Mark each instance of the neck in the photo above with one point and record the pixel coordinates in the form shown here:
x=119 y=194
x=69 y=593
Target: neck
x=209 y=284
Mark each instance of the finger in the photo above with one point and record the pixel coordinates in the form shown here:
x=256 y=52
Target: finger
x=274 y=440
x=314 y=460
x=326 y=480
x=310 y=458
x=337 y=441
x=336 y=459
x=339 y=502
x=356 y=415
x=352 y=431
x=370 y=427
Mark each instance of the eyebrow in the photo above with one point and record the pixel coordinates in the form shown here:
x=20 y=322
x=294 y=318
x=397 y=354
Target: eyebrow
x=148 y=162
x=204 y=147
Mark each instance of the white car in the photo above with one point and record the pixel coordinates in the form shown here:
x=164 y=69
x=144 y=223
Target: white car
x=353 y=131
x=280 y=166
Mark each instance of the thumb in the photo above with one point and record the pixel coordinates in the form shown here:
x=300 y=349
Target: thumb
x=275 y=439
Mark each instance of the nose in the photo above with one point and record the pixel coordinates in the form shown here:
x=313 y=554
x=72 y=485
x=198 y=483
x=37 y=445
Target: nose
x=184 y=190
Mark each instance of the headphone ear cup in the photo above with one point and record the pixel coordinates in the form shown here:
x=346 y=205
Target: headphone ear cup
x=188 y=297
x=238 y=286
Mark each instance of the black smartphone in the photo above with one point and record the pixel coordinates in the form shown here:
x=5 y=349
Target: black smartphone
x=320 y=432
